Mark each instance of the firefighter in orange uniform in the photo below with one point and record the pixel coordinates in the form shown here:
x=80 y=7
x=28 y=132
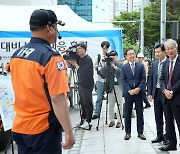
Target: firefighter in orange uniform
x=40 y=85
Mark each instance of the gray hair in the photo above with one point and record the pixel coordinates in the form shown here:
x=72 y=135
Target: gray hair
x=170 y=41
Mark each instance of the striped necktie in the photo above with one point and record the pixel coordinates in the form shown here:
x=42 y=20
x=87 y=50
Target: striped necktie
x=159 y=75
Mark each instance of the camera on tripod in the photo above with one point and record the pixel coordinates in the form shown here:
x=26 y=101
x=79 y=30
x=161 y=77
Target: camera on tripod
x=109 y=56
x=71 y=53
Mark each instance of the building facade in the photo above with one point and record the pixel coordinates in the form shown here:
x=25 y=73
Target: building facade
x=129 y=5
x=96 y=11
x=83 y=8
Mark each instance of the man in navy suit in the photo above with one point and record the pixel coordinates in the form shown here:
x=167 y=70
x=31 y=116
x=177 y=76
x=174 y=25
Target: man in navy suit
x=133 y=81
x=154 y=91
x=170 y=87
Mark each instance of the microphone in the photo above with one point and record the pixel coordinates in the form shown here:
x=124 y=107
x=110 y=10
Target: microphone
x=49 y=23
x=61 y=23
x=59 y=36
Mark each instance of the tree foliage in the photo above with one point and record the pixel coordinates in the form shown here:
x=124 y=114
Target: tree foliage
x=152 y=15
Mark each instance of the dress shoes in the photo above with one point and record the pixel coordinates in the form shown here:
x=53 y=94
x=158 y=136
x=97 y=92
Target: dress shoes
x=158 y=139
x=111 y=124
x=127 y=137
x=118 y=125
x=104 y=98
x=141 y=136
x=147 y=106
x=168 y=147
x=95 y=117
x=166 y=142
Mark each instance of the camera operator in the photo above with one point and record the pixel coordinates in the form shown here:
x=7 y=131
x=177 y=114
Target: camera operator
x=114 y=81
x=84 y=68
x=100 y=81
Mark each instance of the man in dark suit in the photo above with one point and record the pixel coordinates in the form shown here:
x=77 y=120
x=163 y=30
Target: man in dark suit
x=170 y=87
x=154 y=91
x=133 y=81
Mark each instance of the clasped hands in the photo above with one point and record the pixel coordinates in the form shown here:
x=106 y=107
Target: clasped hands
x=168 y=93
x=134 y=91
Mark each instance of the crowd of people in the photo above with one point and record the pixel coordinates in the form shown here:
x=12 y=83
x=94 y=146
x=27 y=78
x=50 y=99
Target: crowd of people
x=40 y=81
x=131 y=83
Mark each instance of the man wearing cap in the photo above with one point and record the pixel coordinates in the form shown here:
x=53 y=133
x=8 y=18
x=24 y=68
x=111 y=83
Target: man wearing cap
x=40 y=86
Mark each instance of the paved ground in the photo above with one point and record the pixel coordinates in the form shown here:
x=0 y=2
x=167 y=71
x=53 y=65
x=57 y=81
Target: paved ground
x=111 y=140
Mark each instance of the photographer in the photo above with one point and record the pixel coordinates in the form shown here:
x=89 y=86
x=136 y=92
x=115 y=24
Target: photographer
x=100 y=81
x=114 y=87
x=84 y=68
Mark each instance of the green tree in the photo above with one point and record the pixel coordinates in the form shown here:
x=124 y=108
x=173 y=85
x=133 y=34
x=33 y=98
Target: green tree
x=173 y=7
x=131 y=30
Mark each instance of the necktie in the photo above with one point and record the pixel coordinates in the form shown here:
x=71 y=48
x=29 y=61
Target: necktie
x=132 y=67
x=170 y=76
x=159 y=75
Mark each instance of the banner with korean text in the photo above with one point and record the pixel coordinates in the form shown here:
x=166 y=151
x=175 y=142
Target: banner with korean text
x=10 y=41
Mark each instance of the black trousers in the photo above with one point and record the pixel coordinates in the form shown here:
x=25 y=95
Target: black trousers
x=139 y=112
x=158 y=111
x=172 y=111
x=86 y=103
x=47 y=142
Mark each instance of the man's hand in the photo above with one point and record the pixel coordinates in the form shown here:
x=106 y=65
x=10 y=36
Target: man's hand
x=69 y=141
x=96 y=66
x=61 y=110
x=137 y=90
x=74 y=63
x=150 y=98
x=113 y=65
x=131 y=92
x=168 y=94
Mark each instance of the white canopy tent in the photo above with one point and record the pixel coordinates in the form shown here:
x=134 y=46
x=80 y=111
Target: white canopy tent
x=14 y=30
x=16 y=18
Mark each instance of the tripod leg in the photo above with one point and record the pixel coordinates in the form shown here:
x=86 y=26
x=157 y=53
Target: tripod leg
x=97 y=127
x=118 y=108
x=106 y=107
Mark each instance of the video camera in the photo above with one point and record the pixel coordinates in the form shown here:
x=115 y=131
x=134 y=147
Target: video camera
x=109 y=56
x=70 y=53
